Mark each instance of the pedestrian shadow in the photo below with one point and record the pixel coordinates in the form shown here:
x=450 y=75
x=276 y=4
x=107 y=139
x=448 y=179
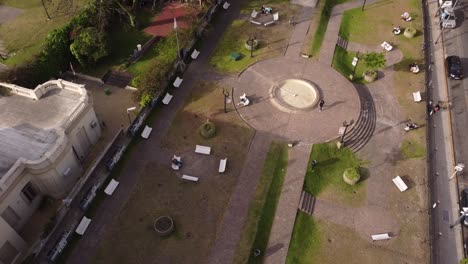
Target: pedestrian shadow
x=333 y=104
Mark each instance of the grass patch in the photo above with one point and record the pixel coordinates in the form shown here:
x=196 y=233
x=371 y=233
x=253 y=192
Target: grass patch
x=326 y=180
x=305 y=241
x=262 y=211
x=25 y=35
x=122 y=41
x=322 y=25
x=412 y=149
x=342 y=63
x=272 y=40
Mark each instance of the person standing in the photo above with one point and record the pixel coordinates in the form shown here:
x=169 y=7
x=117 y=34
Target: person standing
x=321 y=103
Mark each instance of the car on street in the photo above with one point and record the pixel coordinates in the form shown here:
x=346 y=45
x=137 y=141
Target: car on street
x=464 y=205
x=454 y=67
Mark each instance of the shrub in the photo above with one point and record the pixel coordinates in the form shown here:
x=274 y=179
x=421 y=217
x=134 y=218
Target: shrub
x=207 y=130
x=351 y=176
x=374 y=60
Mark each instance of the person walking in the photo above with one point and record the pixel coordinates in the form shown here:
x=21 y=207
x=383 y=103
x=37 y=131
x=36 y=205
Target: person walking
x=321 y=103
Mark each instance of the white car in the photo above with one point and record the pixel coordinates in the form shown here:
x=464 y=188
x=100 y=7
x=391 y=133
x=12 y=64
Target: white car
x=444 y=4
x=447 y=18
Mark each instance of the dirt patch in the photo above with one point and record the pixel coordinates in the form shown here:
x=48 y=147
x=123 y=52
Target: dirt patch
x=196 y=208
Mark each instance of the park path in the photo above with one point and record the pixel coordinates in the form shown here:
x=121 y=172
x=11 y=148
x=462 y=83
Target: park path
x=300 y=31
x=285 y=215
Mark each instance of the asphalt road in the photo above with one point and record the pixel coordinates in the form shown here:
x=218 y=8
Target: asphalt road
x=456 y=43
x=447 y=146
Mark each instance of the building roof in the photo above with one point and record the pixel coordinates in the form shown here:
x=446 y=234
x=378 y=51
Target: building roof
x=28 y=127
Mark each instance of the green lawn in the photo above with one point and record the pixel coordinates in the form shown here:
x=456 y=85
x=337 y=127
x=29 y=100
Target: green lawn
x=272 y=40
x=305 y=241
x=412 y=149
x=326 y=180
x=342 y=62
x=322 y=24
x=122 y=41
x=262 y=208
x=25 y=35
x=273 y=172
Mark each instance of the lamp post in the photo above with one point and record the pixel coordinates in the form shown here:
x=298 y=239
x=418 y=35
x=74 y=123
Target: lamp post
x=177 y=38
x=458 y=168
x=128 y=114
x=252 y=38
x=345 y=125
x=226 y=96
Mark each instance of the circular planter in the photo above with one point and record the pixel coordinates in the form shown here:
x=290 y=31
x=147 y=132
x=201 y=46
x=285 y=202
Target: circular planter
x=250 y=46
x=164 y=225
x=410 y=32
x=207 y=130
x=351 y=176
x=370 y=76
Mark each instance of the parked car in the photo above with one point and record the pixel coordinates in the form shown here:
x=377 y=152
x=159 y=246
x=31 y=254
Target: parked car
x=454 y=67
x=464 y=205
x=445 y=3
x=448 y=18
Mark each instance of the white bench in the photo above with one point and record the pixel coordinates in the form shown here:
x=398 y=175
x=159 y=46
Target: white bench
x=111 y=187
x=254 y=14
x=176 y=167
x=189 y=178
x=400 y=184
x=81 y=229
x=178 y=82
x=255 y=22
x=146 y=132
x=222 y=165
x=226 y=5
x=417 y=97
x=167 y=99
x=195 y=54
x=202 y=150
x=386 y=46
x=383 y=236
x=275 y=19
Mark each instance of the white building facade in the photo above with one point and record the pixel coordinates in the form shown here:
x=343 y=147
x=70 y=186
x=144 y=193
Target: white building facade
x=44 y=135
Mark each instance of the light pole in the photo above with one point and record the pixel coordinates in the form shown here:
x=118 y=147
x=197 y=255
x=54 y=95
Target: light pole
x=177 y=38
x=345 y=125
x=131 y=109
x=252 y=38
x=226 y=96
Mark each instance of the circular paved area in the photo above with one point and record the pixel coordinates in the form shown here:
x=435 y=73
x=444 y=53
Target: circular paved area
x=266 y=115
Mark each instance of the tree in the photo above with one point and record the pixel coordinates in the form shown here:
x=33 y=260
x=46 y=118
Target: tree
x=89 y=46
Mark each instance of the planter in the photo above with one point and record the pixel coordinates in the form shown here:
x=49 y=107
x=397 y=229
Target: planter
x=207 y=130
x=410 y=32
x=351 y=176
x=164 y=225
x=370 y=76
x=250 y=46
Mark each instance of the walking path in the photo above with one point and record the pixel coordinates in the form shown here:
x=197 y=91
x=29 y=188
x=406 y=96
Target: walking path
x=285 y=216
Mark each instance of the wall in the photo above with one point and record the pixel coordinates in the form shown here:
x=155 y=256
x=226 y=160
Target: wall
x=8 y=234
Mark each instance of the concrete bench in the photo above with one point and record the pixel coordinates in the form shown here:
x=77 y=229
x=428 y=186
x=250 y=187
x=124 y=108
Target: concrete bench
x=111 y=187
x=417 y=97
x=189 y=178
x=222 y=165
x=275 y=19
x=195 y=54
x=400 y=184
x=254 y=14
x=81 y=229
x=386 y=46
x=146 y=132
x=255 y=22
x=383 y=236
x=167 y=99
x=202 y=150
x=226 y=5
x=178 y=82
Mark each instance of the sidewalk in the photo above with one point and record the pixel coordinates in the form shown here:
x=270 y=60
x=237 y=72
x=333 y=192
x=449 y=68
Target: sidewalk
x=285 y=216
